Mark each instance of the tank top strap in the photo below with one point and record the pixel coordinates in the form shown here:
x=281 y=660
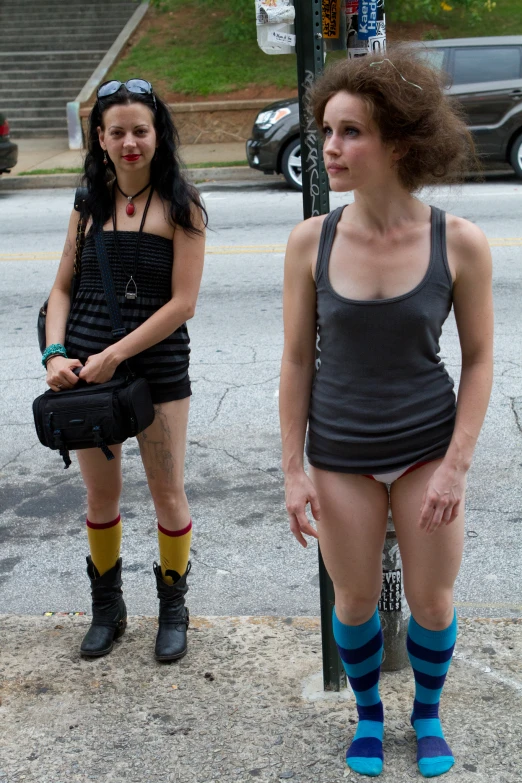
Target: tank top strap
x=438 y=240
x=326 y=242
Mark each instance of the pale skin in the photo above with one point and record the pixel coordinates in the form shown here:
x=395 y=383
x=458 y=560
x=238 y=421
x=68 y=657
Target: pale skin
x=129 y=138
x=381 y=250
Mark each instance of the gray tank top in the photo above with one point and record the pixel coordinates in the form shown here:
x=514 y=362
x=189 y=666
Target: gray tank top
x=381 y=397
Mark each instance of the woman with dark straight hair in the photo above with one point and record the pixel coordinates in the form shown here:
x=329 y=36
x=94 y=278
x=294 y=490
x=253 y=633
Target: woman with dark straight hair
x=153 y=226
x=367 y=290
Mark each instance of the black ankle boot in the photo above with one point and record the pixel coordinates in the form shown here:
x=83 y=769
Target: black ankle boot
x=109 y=615
x=171 y=641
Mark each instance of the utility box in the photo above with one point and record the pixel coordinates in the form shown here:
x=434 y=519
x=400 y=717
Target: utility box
x=275 y=26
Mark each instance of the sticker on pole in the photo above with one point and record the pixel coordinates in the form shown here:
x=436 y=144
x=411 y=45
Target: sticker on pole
x=391 y=592
x=287 y=39
x=334 y=24
x=365 y=27
x=275 y=26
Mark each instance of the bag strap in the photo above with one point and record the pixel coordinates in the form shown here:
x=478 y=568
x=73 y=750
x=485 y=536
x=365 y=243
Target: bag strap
x=79 y=198
x=118 y=329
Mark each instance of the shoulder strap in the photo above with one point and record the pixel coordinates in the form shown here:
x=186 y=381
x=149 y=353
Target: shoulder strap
x=118 y=329
x=326 y=242
x=438 y=227
x=79 y=197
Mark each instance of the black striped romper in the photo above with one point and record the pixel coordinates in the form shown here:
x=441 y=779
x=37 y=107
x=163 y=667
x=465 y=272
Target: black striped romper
x=164 y=365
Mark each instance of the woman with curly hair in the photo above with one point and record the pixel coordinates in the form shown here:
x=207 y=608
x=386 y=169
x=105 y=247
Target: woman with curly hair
x=367 y=290
x=153 y=228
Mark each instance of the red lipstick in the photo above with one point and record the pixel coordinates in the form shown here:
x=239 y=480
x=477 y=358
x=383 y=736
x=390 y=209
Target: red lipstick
x=131 y=157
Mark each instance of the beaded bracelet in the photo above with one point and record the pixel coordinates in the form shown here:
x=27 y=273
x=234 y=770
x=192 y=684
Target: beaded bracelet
x=56 y=349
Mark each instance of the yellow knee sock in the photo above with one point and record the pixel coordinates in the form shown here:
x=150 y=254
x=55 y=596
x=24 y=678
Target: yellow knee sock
x=174 y=549
x=104 y=543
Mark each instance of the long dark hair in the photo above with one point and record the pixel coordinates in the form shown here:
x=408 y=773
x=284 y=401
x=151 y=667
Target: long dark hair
x=166 y=173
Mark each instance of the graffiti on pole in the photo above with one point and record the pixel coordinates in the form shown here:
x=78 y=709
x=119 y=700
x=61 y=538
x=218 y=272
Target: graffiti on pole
x=310 y=155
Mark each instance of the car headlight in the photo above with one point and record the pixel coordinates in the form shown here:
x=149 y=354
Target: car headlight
x=266 y=119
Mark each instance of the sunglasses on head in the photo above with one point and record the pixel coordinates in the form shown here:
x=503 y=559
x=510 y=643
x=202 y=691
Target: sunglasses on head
x=136 y=86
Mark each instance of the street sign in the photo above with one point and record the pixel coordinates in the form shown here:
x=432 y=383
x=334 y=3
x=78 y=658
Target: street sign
x=365 y=27
x=275 y=26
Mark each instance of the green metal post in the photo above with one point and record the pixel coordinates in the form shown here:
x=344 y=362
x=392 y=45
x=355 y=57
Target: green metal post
x=310 y=61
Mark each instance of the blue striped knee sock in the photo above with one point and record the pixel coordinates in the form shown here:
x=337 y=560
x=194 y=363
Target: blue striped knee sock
x=430 y=655
x=360 y=648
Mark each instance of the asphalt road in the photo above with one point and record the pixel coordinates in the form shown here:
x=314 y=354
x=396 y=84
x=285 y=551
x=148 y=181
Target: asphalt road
x=244 y=559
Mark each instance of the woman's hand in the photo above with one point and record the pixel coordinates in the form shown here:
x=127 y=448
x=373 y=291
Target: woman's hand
x=442 y=497
x=299 y=491
x=99 y=368
x=59 y=373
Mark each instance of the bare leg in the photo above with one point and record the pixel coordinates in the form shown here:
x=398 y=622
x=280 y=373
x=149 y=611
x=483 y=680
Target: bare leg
x=102 y=480
x=431 y=563
x=162 y=447
x=352 y=528
x=351 y=536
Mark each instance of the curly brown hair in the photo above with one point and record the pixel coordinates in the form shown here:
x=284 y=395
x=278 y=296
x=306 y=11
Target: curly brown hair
x=425 y=121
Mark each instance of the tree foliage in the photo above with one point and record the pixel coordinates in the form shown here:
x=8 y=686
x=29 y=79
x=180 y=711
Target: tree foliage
x=472 y=11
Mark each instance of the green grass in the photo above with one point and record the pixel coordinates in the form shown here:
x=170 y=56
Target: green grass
x=202 y=48
x=50 y=171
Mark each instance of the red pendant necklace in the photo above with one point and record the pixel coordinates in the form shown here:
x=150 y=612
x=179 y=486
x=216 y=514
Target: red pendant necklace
x=130 y=209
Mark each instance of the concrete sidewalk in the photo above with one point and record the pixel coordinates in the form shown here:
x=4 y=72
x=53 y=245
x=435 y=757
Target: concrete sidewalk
x=53 y=153
x=246 y=703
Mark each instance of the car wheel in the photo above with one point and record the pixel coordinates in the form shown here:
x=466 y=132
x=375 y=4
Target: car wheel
x=516 y=156
x=291 y=164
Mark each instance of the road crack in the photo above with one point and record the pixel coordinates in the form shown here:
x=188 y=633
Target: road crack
x=515 y=413
x=233 y=457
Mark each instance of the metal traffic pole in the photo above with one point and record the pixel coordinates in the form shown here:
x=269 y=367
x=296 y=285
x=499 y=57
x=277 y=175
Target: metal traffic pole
x=310 y=60
x=274 y=37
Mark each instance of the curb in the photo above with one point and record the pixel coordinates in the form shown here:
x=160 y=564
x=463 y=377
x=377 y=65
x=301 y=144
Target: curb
x=242 y=176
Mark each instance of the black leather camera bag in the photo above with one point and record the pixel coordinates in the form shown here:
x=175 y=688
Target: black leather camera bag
x=95 y=414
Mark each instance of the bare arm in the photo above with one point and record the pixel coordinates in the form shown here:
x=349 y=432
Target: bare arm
x=473 y=305
x=189 y=251
x=59 y=369
x=297 y=369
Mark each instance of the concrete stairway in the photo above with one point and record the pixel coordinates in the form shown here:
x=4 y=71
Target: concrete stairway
x=48 y=50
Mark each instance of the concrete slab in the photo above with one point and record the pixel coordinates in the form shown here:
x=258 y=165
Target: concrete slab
x=241 y=706
x=54 y=153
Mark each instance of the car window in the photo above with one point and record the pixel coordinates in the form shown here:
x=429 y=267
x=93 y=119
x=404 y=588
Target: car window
x=434 y=57
x=486 y=64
